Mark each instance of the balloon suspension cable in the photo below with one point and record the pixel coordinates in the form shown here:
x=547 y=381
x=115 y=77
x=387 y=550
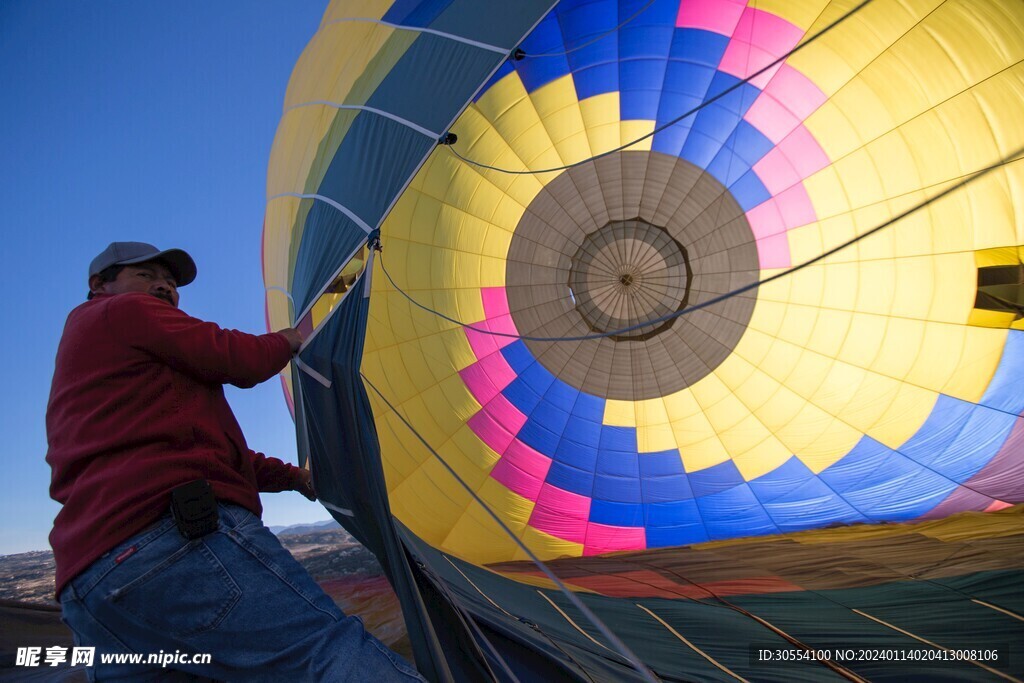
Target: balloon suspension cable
x=519 y=54
x=966 y=180
x=615 y=641
x=669 y=124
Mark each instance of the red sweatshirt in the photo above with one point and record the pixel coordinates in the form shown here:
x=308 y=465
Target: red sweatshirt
x=136 y=409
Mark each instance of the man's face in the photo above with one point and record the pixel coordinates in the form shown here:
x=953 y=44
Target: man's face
x=149 y=278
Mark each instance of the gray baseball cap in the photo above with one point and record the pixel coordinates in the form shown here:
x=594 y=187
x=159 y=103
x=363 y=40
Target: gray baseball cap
x=181 y=265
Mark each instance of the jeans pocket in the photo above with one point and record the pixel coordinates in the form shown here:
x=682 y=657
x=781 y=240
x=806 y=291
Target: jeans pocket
x=187 y=593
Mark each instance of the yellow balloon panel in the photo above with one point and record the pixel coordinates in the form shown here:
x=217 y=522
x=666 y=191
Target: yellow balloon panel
x=346 y=62
x=340 y=10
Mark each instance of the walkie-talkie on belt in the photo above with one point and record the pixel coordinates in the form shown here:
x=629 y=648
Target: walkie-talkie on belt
x=194 y=509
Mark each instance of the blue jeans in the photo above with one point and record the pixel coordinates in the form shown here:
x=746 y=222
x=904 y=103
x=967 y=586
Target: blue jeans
x=235 y=594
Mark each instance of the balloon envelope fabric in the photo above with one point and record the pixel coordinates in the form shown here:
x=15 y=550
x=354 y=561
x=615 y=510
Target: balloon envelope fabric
x=879 y=384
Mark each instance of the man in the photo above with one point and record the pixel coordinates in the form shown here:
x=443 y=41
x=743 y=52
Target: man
x=159 y=546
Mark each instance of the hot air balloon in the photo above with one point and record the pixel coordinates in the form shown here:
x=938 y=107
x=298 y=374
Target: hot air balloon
x=666 y=339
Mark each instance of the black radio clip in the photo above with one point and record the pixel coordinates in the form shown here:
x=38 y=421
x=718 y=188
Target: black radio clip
x=194 y=509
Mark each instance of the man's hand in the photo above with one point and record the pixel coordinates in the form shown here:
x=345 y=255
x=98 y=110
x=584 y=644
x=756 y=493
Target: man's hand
x=303 y=483
x=294 y=337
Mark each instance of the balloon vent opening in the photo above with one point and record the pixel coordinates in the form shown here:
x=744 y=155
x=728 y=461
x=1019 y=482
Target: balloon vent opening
x=621 y=242
x=629 y=272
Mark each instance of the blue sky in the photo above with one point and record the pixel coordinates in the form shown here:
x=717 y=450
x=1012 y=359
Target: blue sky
x=134 y=121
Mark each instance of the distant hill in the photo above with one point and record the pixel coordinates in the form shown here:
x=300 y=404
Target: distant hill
x=28 y=577
x=312 y=527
